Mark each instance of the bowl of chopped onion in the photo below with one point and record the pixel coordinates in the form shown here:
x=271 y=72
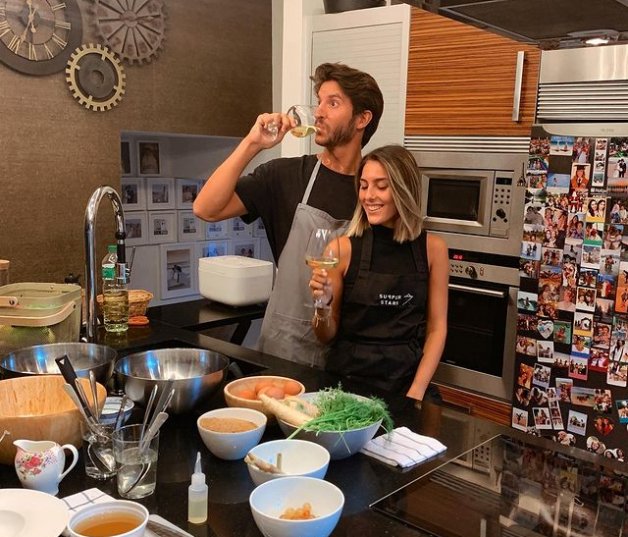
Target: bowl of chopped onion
x=340 y=422
x=296 y=506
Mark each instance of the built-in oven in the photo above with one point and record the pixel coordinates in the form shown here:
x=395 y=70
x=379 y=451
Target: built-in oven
x=479 y=352
x=474 y=200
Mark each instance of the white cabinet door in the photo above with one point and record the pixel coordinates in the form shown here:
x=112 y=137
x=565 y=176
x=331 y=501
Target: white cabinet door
x=375 y=41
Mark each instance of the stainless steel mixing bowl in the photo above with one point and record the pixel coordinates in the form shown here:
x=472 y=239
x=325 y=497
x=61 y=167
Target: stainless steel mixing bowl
x=40 y=360
x=197 y=374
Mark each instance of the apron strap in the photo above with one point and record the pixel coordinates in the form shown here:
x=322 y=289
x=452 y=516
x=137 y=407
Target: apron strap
x=310 y=184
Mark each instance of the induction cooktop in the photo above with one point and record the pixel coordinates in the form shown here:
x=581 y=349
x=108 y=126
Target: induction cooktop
x=516 y=486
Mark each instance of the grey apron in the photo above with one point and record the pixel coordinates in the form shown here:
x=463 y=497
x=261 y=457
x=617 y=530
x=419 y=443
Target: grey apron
x=287 y=329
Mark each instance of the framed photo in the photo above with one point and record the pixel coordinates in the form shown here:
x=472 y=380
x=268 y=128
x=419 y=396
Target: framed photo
x=162 y=227
x=217 y=230
x=245 y=247
x=148 y=158
x=160 y=193
x=213 y=248
x=136 y=226
x=187 y=190
x=125 y=158
x=190 y=227
x=133 y=193
x=258 y=228
x=238 y=228
x=178 y=270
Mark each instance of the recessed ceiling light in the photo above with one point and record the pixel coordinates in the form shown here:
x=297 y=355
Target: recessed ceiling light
x=597 y=41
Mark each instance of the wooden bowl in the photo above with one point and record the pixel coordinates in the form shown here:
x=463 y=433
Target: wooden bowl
x=235 y=387
x=37 y=408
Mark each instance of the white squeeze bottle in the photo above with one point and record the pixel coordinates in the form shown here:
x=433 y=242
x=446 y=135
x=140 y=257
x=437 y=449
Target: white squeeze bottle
x=197 y=495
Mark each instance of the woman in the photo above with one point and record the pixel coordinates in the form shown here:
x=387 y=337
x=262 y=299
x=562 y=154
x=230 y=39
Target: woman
x=387 y=321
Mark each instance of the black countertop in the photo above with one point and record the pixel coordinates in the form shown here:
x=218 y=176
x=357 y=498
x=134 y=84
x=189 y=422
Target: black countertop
x=362 y=479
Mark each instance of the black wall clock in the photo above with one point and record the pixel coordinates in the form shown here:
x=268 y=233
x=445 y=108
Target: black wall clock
x=37 y=37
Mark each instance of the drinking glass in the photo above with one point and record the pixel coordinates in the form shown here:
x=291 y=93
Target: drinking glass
x=322 y=251
x=303 y=116
x=98 y=453
x=136 y=462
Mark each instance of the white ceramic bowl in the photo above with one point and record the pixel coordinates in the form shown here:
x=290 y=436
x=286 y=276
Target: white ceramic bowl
x=110 y=410
x=103 y=511
x=271 y=499
x=298 y=457
x=339 y=444
x=232 y=446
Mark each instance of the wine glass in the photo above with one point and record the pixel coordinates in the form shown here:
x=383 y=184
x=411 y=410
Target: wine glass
x=322 y=251
x=304 y=118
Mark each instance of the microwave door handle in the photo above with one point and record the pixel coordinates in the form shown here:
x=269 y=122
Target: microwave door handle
x=516 y=99
x=477 y=290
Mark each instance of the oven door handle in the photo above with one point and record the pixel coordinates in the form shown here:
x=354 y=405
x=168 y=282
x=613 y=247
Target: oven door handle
x=478 y=290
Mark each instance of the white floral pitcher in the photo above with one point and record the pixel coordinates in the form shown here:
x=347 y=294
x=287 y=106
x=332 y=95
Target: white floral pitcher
x=39 y=464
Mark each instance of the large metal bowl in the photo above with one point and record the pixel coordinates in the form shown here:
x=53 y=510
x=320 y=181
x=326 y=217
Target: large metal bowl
x=197 y=374
x=40 y=360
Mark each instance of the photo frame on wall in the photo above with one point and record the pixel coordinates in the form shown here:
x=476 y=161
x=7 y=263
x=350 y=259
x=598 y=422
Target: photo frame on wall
x=136 y=227
x=245 y=247
x=217 y=230
x=148 y=158
x=125 y=158
x=239 y=228
x=258 y=228
x=190 y=228
x=162 y=227
x=213 y=248
x=133 y=193
x=160 y=193
x=186 y=192
x=178 y=269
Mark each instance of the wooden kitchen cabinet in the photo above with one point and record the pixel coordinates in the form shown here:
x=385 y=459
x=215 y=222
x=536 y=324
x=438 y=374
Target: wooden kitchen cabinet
x=461 y=80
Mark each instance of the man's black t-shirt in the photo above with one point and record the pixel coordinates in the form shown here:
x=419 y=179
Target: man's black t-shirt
x=274 y=189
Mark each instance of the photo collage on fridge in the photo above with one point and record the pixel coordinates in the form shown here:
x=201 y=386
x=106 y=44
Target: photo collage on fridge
x=572 y=324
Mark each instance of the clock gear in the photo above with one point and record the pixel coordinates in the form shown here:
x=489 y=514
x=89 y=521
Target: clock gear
x=95 y=77
x=135 y=31
x=37 y=37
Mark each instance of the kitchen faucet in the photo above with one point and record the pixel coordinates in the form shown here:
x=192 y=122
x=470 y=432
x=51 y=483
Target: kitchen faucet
x=90 y=250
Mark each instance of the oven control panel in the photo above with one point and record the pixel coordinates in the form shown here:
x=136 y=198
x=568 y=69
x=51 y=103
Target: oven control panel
x=502 y=204
x=482 y=272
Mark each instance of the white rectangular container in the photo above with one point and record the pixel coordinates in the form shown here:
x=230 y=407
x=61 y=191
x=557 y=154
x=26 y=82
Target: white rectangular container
x=235 y=280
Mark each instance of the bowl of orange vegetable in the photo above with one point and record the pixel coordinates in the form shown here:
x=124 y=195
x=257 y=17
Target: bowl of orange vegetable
x=245 y=392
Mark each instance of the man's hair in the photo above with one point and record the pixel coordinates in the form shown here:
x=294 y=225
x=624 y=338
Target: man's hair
x=359 y=86
x=404 y=181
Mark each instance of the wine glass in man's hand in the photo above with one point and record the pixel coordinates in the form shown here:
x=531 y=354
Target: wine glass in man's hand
x=302 y=115
x=322 y=252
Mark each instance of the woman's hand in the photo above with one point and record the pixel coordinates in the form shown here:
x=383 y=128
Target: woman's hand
x=321 y=287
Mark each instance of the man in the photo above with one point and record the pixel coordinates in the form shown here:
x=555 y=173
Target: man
x=296 y=195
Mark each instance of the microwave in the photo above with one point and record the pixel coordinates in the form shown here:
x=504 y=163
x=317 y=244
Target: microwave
x=475 y=208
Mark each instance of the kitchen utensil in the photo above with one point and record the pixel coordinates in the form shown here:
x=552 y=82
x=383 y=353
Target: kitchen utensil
x=40 y=464
x=341 y=444
x=298 y=457
x=98 y=452
x=149 y=408
x=232 y=446
x=136 y=461
x=236 y=389
x=40 y=360
x=197 y=374
x=109 y=511
x=37 y=408
x=92 y=385
x=65 y=366
x=271 y=499
x=161 y=530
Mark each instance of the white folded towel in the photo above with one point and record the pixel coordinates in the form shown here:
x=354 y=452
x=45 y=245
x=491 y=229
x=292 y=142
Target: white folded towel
x=78 y=501
x=403 y=447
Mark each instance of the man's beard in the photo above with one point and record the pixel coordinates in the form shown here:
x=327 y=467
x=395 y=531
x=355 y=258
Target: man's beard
x=340 y=136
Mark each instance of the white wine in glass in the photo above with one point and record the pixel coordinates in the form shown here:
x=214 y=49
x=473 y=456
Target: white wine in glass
x=322 y=251
x=304 y=117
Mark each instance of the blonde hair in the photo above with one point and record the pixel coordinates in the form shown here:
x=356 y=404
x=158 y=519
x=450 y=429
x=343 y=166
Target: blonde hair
x=405 y=184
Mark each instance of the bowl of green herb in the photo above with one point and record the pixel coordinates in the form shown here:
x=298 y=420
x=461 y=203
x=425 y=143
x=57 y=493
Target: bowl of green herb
x=341 y=422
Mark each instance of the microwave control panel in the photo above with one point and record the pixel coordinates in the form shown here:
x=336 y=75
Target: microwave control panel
x=502 y=204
